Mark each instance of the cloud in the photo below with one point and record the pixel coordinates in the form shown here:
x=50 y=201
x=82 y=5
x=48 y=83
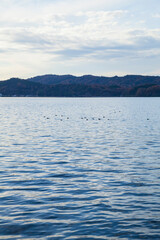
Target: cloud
x=78 y=31
x=157 y=15
x=58 y=29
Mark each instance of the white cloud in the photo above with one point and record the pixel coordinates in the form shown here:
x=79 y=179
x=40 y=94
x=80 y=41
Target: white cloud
x=64 y=32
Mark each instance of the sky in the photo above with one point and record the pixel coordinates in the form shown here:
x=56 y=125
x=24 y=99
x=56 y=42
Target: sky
x=99 y=37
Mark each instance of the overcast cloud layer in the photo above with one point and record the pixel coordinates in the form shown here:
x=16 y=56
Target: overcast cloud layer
x=101 y=37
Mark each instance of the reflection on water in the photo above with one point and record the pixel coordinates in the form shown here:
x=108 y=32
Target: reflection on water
x=79 y=168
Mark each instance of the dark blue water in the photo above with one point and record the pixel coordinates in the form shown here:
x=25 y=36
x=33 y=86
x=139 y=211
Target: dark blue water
x=80 y=168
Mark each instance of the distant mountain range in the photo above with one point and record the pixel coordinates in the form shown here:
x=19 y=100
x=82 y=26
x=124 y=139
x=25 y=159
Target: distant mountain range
x=126 y=81
x=84 y=86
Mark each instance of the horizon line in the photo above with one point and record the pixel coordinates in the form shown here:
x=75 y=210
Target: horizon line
x=53 y=74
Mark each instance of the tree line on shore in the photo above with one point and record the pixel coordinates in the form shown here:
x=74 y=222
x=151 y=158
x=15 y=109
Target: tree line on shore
x=84 y=86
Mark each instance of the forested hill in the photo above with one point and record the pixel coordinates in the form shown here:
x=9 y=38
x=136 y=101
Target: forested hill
x=85 y=86
x=126 y=81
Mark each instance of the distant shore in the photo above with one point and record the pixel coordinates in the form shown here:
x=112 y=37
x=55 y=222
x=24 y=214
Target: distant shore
x=84 y=86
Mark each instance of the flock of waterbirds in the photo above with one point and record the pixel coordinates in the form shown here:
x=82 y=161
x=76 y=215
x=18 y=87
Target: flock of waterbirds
x=62 y=117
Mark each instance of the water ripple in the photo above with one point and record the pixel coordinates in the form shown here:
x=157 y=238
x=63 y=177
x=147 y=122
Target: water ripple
x=79 y=168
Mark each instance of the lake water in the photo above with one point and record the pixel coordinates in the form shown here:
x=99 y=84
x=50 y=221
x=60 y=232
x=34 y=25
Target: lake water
x=79 y=168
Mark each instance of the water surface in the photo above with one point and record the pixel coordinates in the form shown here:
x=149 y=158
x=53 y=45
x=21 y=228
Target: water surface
x=79 y=168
